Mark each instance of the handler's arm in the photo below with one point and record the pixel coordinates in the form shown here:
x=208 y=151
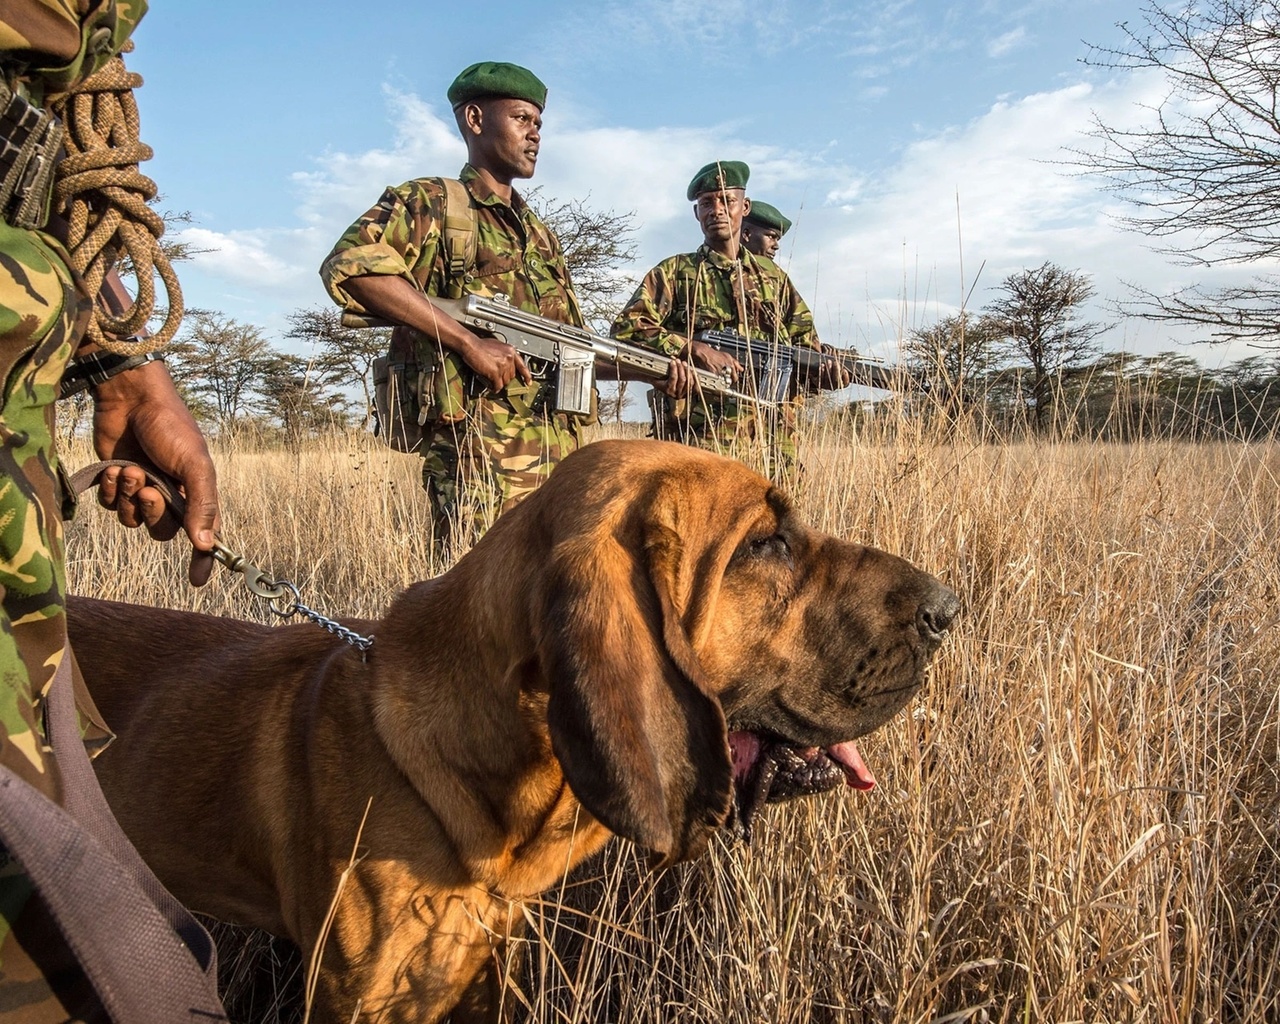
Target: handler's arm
x=394 y=298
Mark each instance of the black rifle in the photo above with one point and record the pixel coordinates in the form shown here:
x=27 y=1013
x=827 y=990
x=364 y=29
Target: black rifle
x=771 y=364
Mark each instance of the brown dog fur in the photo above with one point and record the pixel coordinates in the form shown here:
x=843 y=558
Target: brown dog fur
x=569 y=678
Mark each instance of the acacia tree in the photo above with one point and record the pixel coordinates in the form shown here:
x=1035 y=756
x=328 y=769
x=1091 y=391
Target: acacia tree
x=595 y=243
x=298 y=397
x=346 y=354
x=217 y=363
x=955 y=354
x=1035 y=321
x=1204 y=172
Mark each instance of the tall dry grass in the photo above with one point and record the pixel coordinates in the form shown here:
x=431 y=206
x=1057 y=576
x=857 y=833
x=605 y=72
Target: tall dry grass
x=1078 y=821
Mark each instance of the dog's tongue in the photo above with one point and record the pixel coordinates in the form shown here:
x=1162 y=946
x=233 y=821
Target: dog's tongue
x=744 y=748
x=856 y=772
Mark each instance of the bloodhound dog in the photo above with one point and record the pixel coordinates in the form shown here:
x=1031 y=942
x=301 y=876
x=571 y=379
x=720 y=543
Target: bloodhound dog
x=613 y=657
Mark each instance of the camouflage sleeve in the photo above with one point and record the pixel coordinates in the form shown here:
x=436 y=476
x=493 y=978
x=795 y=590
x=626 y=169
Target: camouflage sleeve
x=400 y=237
x=800 y=328
x=644 y=320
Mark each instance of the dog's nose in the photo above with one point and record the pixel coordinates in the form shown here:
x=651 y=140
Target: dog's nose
x=937 y=611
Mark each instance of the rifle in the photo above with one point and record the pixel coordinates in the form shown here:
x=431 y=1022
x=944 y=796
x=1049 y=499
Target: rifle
x=570 y=354
x=774 y=363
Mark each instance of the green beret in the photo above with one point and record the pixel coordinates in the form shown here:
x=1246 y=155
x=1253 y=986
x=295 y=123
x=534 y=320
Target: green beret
x=491 y=78
x=719 y=174
x=768 y=216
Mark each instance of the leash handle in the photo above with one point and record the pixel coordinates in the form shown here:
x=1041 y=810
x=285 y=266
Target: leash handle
x=255 y=579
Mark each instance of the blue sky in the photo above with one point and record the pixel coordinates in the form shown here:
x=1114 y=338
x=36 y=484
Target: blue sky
x=912 y=142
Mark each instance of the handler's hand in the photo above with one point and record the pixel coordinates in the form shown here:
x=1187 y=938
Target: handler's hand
x=140 y=416
x=496 y=361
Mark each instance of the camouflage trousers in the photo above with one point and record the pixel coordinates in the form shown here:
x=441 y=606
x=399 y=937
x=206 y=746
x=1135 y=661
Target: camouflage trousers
x=41 y=317
x=476 y=467
x=763 y=438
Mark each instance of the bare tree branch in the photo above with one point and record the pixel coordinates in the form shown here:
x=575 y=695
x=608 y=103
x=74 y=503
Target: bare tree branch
x=1203 y=174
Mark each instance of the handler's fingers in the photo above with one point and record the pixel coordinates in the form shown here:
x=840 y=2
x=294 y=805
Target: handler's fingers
x=162 y=524
x=522 y=370
x=118 y=489
x=201 y=567
x=108 y=486
x=202 y=520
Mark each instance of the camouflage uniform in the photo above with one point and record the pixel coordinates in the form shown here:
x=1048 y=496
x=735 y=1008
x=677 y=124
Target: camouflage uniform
x=43 y=314
x=705 y=290
x=483 y=451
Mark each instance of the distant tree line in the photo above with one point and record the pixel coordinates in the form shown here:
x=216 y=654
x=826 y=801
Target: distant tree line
x=1027 y=362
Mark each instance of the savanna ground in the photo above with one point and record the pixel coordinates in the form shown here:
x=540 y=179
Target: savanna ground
x=1078 y=821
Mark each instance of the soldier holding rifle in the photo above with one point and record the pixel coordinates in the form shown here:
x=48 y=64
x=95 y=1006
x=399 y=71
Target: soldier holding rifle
x=720 y=286
x=484 y=447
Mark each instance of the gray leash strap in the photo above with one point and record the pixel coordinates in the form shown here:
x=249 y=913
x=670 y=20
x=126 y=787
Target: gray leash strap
x=148 y=959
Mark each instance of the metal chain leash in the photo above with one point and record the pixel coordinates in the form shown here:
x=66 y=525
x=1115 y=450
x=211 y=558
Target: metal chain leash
x=282 y=597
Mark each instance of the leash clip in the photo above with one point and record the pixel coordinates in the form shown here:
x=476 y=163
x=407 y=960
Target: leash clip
x=282 y=598
x=254 y=578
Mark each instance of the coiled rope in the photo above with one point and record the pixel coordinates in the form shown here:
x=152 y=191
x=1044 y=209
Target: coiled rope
x=104 y=199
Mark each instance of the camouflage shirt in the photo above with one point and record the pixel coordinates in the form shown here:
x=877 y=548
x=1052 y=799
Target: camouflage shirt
x=516 y=253
x=704 y=290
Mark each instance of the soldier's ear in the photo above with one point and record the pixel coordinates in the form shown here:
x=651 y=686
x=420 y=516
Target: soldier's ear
x=472 y=119
x=746 y=206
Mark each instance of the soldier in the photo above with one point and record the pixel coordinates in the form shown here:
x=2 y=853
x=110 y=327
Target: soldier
x=489 y=438
x=763 y=228
x=721 y=285
x=47 y=315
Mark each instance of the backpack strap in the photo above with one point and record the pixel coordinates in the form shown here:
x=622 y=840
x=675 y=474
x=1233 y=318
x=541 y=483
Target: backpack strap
x=460 y=229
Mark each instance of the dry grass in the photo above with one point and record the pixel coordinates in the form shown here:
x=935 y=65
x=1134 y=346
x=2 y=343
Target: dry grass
x=1078 y=822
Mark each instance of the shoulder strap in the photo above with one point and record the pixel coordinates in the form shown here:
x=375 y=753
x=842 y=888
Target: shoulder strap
x=459 y=233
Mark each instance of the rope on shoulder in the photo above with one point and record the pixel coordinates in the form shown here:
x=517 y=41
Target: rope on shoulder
x=104 y=198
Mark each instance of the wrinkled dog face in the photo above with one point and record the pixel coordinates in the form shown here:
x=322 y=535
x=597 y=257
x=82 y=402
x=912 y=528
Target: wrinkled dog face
x=815 y=642
x=686 y=597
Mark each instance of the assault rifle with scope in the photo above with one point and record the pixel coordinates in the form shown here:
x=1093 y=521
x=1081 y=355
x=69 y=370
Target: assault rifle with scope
x=775 y=363
x=567 y=357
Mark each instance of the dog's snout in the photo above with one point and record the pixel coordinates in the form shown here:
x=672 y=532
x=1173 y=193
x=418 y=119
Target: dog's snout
x=936 y=612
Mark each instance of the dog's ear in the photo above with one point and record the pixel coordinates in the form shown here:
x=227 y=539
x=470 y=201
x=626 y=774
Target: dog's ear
x=639 y=736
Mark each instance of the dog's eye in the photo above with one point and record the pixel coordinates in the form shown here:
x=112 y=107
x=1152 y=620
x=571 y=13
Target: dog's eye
x=774 y=546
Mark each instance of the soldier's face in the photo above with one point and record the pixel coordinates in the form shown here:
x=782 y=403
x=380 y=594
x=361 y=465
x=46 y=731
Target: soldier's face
x=761 y=241
x=506 y=134
x=720 y=213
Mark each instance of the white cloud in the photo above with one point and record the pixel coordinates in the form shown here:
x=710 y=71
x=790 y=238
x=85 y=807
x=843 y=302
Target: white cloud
x=250 y=257
x=993 y=194
x=1006 y=43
